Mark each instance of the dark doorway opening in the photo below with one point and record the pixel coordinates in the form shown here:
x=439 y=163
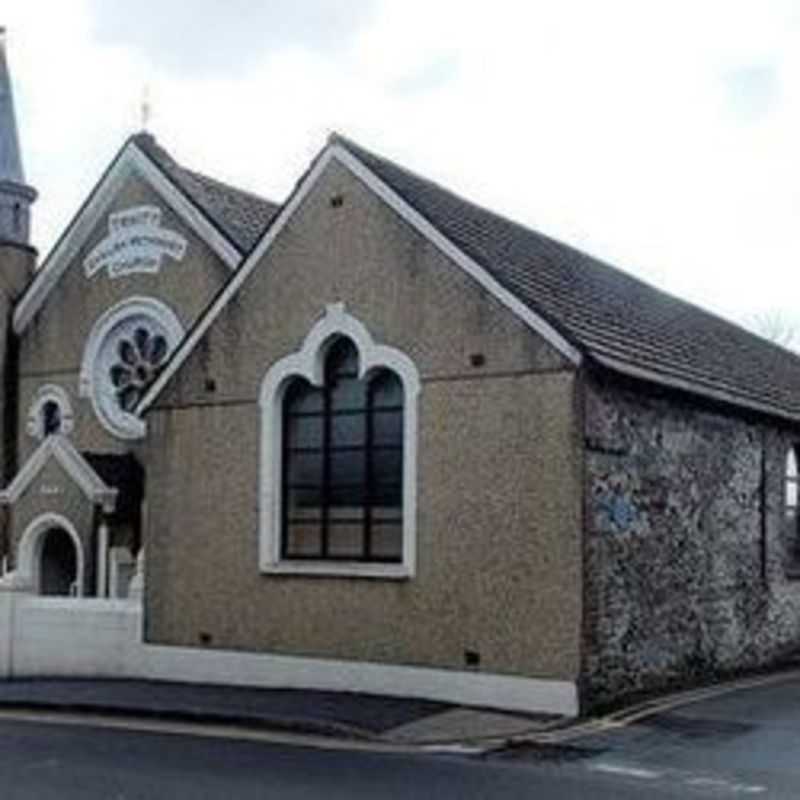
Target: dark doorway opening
x=59 y=564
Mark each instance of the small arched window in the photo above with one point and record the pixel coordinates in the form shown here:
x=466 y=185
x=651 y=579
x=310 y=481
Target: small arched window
x=342 y=481
x=791 y=479
x=17 y=217
x=50 y=412
x=51 y=418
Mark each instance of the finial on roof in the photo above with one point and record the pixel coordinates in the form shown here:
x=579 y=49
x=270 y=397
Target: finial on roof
x=146 y=109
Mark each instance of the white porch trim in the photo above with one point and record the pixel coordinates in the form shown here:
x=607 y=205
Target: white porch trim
x=73 y=463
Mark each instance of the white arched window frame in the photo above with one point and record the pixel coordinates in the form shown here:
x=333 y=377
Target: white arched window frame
x=309 y=363
x=50 y=393
x=120 y=423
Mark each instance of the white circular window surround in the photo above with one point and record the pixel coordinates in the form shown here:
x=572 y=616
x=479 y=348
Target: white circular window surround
x=126 y=349
x=50 y=393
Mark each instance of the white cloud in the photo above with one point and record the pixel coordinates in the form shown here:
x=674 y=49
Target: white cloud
x=618 y=126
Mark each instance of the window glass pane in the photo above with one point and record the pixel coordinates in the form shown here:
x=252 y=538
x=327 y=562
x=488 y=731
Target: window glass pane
x=387 y=505
x=387 y=466
x=387 y=427
x=304 y=540
x=348 y=394
x=304 y=468
x=51 y=415
x=345 y=540
x=791 y=494
x=387 y=391
x=348 y=430
x=342 y=359
x=301 y=396
x=791 y=464
x=386 y=542
x=304 y=503
x=347 y=467
x=305 y=431
x=347 y=501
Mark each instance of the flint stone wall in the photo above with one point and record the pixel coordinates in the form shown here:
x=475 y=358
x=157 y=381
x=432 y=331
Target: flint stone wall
x=685 y=542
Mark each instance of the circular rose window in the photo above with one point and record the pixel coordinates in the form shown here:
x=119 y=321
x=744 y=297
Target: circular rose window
x=139 y=360
x=127 y=349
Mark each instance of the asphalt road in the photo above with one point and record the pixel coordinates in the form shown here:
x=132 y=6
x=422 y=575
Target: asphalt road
x=43 y=762
x=736 y=746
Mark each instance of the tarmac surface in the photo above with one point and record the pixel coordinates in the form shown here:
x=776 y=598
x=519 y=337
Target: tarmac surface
x=338 y=714
x=733 y=741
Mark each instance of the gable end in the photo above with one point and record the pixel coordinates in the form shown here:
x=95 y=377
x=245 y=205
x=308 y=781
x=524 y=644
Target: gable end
x=130 y=161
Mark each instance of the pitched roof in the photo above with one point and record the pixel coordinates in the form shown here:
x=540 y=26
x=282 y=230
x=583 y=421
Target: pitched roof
x=602 y=312
x=229 y=220
x=242 y=216
x=617 y=319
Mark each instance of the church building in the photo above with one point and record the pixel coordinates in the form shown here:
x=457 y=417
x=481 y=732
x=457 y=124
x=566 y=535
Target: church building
x=375 y=437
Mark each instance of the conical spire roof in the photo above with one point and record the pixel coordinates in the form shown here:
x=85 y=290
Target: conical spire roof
x=10 y=158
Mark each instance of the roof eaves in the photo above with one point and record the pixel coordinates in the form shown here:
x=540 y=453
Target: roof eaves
x=694 y=387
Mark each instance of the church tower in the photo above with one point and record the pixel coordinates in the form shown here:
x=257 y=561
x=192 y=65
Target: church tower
x=16 y=197
x=17 y=263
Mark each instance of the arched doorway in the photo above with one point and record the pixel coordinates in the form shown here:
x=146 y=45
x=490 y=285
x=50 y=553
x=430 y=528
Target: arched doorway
x=51 y=558
x=58 y=564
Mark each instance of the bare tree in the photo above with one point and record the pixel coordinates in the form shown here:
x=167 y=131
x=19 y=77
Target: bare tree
x=775 y=326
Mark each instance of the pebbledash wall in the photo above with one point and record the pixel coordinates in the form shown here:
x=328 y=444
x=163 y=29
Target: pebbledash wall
x=498 y=500
x=685 y=545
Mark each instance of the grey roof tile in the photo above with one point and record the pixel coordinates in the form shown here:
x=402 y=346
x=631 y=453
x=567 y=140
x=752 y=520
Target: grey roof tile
x=240 y=215
x=609 y=315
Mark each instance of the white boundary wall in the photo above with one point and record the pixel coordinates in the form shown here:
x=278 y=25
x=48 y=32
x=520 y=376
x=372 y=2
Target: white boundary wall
x=64 y=637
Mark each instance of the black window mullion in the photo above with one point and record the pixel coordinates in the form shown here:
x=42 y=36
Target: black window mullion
x=369 y=469
x=346 y=501
x=326 y=463
x=285 y=487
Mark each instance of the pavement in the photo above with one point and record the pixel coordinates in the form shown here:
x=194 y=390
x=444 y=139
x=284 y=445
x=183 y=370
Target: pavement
x=362 y=718
x=359 y=717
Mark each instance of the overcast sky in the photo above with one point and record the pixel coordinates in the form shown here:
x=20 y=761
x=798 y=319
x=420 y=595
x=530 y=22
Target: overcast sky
x=661 y=136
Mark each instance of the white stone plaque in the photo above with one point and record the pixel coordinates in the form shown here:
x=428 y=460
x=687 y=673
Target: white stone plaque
x=136 y=242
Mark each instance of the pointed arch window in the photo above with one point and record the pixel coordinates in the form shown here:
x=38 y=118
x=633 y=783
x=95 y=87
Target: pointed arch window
x=339 y=456
x=343 y=464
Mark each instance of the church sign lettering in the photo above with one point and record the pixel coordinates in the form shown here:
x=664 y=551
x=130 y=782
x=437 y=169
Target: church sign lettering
x=136 y=242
